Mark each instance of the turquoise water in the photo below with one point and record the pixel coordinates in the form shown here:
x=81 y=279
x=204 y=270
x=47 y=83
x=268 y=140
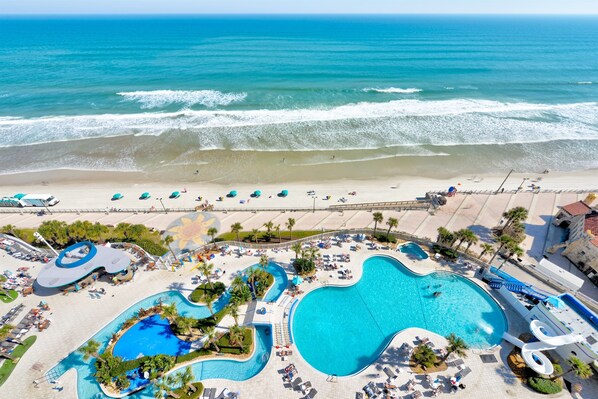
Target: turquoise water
x=156 y=93
x=412 y=249
x=342 y=330
x=228 y=369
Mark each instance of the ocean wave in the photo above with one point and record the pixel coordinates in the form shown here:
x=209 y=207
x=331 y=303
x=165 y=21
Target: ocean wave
x=187 y=98
x=366 y=125
x=394 y=90
x=585 y=83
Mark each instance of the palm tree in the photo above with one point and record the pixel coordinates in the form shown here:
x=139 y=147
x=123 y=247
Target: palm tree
x=296 y=247
x=264 y=262
x=513 y=249
x=444 y=236
x=290 y=223
x=455 y=345
x=517 y=214
x=485 y=249
x=503 y=241
x=251 y=276
x=8 y=229
x=269 y=226
x=169 y=240
x=233 y=310
x=277 y=230
x=90 y=349
x=378 y=218
x=186 y=377
x=579 y=368
x=459 y=237
x=254 y=234
x=392 y=223
x=235 y=336
x=236 y=228
x=169 y=312
x=212 y=337
x=212 y=231
x=471 y=239
x=210 y=302
x=206 y=270
x=184 y=324
x=237 y=283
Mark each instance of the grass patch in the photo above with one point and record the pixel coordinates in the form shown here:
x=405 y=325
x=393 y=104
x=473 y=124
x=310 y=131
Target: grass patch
x=226 y=347
x=8 y=366
x=188 y=393
x=247 y=236
x=204 y=292
x=8 y=296
x=545 y=386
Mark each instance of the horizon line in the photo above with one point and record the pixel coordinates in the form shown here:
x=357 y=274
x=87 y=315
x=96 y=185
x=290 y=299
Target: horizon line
x=302 y=14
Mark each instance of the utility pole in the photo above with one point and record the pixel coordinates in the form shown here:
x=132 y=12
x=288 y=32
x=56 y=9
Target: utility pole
x=41 y=238
x=503 y=182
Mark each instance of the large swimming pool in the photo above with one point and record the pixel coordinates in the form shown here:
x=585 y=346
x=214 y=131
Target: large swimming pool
x=341 y=330
x=227 y=369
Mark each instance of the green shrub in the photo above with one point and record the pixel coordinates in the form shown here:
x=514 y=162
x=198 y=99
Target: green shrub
x=448 y=252
x=304 y=266
x=383 y=238
x=544 y=385
x=193 y=355
x=204 y=291
x=151 y=246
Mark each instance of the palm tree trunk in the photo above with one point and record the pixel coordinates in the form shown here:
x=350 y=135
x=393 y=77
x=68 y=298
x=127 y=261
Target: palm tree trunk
x=496 y=253
x=375 y=228
x=290 y=234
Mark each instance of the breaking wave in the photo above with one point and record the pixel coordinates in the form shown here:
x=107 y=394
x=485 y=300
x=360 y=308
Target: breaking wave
x=187 y=98
x=394 y=90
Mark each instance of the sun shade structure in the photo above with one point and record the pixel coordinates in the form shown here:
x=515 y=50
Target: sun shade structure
x=144 y=196
x=297 y=280
x=80 y=260
x=174 y=195
x=117 y=196
x=232 y=194
x=257 y=193
x=19 y=196
x=284 y=193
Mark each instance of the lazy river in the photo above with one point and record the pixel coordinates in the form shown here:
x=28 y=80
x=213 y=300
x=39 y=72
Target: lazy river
x=341 y=330
x=235 y=370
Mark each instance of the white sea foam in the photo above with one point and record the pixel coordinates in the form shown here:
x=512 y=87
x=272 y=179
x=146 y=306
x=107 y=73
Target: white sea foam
x=585 y=83
x=410 y=90
x=162 y=98
x=366 y=125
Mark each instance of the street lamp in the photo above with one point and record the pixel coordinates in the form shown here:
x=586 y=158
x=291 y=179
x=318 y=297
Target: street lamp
x=504 y=181
x=46 y=206
x=162 y=203
x=523 y=181
x=41 y=238
x=314 y=207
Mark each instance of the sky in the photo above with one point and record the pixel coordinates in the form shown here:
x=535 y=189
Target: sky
x=298 y=6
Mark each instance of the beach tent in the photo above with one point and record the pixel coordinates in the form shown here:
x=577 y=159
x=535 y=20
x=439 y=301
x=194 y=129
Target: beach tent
x=117 y=196
x=297 y=280
x=284 y=193
x=257 y=193
x=232 y=194
x=174 y=195
x=144 y=196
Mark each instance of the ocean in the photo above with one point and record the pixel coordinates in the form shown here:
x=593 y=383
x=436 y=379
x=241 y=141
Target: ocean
x=275 y=98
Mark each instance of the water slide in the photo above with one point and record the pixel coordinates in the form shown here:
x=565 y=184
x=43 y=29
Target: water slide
x=531 y=351
x=518 y=287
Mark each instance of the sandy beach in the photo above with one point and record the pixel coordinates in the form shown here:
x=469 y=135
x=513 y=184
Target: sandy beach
x=84 y=190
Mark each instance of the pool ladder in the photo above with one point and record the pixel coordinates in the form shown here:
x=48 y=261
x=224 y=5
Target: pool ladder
x=332 y=378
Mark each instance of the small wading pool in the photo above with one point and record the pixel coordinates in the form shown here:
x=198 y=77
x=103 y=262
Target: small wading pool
x=413 y=250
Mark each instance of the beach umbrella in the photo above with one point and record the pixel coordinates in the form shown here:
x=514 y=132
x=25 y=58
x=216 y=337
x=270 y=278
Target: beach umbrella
x=297 y=280
x=284 y=193
x=19 y=196
x=257 y=193
x=117 y=196
x=175 y=194
x=145 y=195
x=555 y=301
x=233 y=193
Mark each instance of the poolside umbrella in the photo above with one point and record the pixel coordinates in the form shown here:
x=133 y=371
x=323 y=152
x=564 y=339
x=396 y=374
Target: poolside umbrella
x=233 y=193
x=175 y=194
x=145 y=195
x=297 y=280
x=19 y=196
x=117 y=196
x=555 y=301
x=257 y=193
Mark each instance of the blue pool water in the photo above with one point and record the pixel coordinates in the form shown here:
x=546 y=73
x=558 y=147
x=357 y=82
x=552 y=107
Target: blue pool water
x=414 y=250
x=341 y=330
x=149 y=337
x=227 y=369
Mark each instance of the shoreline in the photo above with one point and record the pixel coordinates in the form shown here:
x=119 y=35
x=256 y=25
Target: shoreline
x=85 y=190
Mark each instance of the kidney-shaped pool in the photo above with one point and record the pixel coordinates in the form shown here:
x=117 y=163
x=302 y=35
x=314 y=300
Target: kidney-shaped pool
x=341 y=330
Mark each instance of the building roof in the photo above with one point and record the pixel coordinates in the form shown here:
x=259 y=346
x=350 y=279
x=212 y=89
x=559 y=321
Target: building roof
x=591 y=225
x=576 y=208
x=79 y=261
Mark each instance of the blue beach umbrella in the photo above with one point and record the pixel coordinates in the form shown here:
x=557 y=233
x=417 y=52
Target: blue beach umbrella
x=117 y=196
x=144 y=196
x=233 y=193
x=175 y=194
x=297 y=280
x=284 y=193
x=19 y=196
x=257 y=193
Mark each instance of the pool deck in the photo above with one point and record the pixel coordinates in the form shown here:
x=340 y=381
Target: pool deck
x=83 y=316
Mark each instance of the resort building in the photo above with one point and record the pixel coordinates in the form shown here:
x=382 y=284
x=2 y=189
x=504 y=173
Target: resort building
x=581 y=248
x=83 y=263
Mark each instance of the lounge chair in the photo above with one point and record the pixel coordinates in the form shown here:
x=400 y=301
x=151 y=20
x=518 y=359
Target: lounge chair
x=358 y=395
x=224 y=393
x=416 y=395
x=311 y=394
x=297 y=383
x=391 y=375
x=463 y=373
x=457 y=363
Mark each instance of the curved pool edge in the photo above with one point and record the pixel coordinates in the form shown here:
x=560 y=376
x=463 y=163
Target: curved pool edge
x=392 y=257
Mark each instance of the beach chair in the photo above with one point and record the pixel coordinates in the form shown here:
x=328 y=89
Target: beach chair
x=312 y=394
x=390 y=374
x=416 y=395
x=457 y=363
x=296 y=384
x=224 y=393
x=358 y=395
x=463 y=373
